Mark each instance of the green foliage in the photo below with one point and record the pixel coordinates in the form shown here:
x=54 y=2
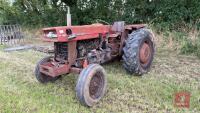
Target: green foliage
x=198 y=48
x=191 y=47
x=7 y=12
x=168 y=14
x=188 y=47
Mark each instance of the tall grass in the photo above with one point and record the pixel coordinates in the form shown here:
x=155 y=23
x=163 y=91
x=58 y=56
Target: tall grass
x=184 y=40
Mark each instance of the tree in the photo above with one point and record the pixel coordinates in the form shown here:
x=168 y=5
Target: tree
x=166 y=13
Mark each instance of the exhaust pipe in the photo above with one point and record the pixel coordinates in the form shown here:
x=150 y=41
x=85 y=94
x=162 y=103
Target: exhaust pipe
x=69 y=21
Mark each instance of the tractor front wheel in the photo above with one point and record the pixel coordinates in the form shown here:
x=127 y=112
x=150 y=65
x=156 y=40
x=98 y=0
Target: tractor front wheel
x=91 y=85
x=138 y=52
x=42 y=78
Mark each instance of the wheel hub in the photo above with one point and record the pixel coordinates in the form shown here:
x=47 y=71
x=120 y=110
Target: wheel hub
x=145 y=53
x=96 y=85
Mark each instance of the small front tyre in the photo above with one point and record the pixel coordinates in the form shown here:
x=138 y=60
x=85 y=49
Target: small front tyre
x=91 y=85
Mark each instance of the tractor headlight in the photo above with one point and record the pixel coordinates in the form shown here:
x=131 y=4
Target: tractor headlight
x=51 y=35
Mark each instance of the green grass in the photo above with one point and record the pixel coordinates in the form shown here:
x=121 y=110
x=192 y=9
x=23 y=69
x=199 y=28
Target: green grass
x=20 y=92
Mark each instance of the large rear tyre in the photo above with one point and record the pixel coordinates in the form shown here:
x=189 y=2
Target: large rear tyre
x=91 y=85
x=138 y=52
x=42 y=78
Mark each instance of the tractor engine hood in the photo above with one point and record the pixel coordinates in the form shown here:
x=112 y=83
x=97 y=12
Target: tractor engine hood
x=74 y=33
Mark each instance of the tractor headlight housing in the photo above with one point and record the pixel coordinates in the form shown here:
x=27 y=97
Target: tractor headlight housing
x=50 y=34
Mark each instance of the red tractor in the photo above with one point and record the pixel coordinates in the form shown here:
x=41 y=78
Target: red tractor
x=80 y=49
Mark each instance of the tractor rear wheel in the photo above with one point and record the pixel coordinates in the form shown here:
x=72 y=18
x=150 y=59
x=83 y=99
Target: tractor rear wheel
x=91 y=85
x=138 y=52
x=42 y=78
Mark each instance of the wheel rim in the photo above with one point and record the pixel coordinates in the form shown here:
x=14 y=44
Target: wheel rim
x=145 y=53
x=96 y=85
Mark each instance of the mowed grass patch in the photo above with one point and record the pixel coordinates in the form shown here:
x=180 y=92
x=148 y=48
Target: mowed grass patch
x=153 y=92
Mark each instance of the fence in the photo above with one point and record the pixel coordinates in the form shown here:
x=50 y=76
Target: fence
x=11 y=35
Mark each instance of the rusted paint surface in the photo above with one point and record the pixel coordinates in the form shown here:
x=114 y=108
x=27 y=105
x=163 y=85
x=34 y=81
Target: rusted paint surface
x=145 y=53
x=72 y=53
x=83 y=32
x=54 y=70
x=80 y=32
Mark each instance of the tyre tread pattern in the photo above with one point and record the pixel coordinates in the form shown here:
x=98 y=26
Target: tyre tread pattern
x=81 y=85
x=131 y=51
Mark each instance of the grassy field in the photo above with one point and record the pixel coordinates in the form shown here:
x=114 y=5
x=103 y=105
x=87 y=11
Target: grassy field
x=153 y=92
